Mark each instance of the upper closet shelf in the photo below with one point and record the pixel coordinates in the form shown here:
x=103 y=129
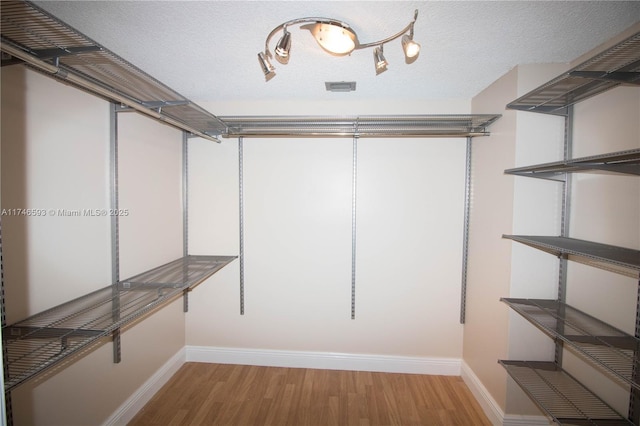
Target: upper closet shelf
x=617 y=65
x=39 y=342
x=598 y=254
x=360 y=126
x=33 y=36
x=625 y=162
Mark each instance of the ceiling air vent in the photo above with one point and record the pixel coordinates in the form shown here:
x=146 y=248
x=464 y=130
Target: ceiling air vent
x=340 y=86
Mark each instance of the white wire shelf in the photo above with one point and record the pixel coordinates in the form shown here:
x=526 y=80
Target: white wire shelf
x=624 y=162
x=445 y=125
x=617 y=65
x=626 y=259
x=561 y=396
x=31 y=35
x=607 y=346
x=39 y=342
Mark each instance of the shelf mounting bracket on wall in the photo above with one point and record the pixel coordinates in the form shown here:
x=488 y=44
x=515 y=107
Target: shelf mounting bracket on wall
x=354 y=190
x=241 y=217
x=185 y=213
x=465 y=232
x=115 y=229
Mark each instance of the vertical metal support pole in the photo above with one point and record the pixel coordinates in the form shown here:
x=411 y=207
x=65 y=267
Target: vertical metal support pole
x=465 y=233
x=565 y=221
x=354 y=187
x=185 y=216
x=241 y=218
x=5 y=407
x=634 y=398
x=115 y=230
x=185 y=194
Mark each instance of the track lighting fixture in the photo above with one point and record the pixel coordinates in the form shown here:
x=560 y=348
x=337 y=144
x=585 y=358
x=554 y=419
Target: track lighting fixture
x=283 y=47
x=337 y=38
x=410 y=47
x=268 y=69
x=379 y=60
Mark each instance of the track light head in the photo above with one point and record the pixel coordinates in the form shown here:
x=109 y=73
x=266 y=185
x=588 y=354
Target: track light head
x=410 y=47
x=268 y=69
x=379 y=60
x=283 y=48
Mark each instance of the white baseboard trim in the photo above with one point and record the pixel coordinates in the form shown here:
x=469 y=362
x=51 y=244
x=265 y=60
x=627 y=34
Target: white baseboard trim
x=324 y=360
x=515 y=420
x=491 y=408
x=140 y=397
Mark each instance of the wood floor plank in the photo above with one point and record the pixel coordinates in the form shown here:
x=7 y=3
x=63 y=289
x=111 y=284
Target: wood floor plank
x=241 y=395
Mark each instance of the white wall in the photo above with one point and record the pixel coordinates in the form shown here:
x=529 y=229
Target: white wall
x=497 y=267
x=297 y=199
x=55 y=144
x=489 y=267
x=55 y=156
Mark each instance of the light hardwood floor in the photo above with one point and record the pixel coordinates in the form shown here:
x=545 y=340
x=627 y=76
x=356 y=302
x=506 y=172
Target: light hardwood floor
x=218 y=394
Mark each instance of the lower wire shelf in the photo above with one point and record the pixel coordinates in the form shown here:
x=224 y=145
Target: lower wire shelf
x=39 y=342
x=599 y=342
x=561 y=396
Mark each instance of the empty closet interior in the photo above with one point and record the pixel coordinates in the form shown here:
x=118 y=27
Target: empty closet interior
x=495 y=238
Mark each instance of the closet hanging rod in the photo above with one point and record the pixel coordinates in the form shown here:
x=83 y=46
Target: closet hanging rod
x=79 y=81
x=434 y=125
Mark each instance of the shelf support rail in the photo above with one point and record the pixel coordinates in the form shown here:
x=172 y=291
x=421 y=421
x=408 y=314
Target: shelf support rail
x=634 y=398
x=185 y=216
x=5 y=407
x=241 y=218
x=354 y=187
x=115 y=229
x=564 y=223
x=465 y=234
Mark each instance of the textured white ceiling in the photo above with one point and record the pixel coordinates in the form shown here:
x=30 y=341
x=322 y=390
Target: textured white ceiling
x=207 y=50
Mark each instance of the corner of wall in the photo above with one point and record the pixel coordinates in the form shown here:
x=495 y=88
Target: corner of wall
x=489 y=255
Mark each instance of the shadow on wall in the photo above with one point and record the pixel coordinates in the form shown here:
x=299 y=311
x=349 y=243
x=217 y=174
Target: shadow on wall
x=13 y=195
